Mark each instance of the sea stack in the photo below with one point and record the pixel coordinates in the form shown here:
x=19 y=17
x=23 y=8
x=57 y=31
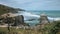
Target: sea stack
x=44 y=19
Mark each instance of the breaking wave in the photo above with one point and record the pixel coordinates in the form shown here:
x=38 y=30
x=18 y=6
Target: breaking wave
x=28 y=16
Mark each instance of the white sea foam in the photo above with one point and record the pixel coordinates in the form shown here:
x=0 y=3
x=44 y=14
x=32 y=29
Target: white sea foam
x=28 y=15
x=55 y=19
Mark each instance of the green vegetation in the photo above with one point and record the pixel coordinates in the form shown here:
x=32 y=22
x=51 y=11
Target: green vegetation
x=19 y=31
x=6 y=9
x=52 y=28
x=56 y=28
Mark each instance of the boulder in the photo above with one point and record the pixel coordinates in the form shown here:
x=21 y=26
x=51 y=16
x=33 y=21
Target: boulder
x=19 y=20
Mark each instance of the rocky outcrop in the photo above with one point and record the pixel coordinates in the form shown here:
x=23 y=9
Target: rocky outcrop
x=44 y=19
x=19 y=20
x=14 y=18
x=10 y=15
x=4 y=18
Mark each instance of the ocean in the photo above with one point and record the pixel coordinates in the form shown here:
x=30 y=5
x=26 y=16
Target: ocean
x=31 y=17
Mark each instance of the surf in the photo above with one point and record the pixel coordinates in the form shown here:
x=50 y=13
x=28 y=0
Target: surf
x=31 y=16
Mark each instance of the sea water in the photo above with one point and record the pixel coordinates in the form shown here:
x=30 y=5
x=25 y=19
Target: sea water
x=31 y=17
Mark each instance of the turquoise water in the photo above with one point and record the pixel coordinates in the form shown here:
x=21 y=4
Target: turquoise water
x=28 y=15
x=51 y=13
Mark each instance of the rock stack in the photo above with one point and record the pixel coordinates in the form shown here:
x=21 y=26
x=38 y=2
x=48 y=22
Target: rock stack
x=43 y=20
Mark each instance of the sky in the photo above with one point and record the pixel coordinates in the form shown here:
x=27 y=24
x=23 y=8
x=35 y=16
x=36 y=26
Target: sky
x=33 y=4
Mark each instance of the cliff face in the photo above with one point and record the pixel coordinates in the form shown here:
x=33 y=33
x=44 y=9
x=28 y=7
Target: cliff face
x=6 y=9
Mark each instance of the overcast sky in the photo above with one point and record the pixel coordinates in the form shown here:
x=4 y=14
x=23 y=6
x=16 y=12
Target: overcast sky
x=33 y=4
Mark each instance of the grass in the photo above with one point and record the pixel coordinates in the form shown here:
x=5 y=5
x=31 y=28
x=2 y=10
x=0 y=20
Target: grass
x=20 y=31
x=45 y=30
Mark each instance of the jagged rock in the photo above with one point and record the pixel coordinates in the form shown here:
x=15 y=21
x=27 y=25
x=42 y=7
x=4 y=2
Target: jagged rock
x=15 y=19
x=3 y=18
x=19 y=20
x=44 y=19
